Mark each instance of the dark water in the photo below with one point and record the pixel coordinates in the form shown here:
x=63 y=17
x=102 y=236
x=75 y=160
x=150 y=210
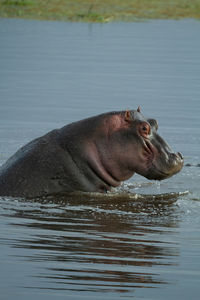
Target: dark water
x=120 y=245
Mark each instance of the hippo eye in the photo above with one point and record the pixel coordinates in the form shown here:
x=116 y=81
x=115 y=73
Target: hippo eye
x=144 y=129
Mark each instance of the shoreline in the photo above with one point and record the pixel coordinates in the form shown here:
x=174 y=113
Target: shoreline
x=100 y=11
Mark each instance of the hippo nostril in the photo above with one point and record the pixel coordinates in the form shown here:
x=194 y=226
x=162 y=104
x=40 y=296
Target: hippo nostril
x=180 y=155
x=176 y=157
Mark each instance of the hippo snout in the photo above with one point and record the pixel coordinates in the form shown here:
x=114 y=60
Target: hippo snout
x=172 y=166
x=177 y=158
x=165 y=166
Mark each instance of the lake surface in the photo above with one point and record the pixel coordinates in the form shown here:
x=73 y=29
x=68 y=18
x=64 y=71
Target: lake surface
x=112 y=247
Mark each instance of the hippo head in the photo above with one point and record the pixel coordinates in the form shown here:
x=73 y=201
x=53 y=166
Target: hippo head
x=124 y=143
x=153 y=158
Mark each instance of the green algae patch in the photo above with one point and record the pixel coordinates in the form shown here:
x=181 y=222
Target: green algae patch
x=100 y=10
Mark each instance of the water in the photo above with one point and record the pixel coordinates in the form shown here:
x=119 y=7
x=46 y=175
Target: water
x=121 y=245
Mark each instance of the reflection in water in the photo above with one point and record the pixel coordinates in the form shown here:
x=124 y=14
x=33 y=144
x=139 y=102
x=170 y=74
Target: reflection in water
x=94 y=244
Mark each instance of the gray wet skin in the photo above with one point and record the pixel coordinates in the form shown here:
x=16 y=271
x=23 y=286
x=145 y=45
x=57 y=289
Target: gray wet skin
x=90 y=155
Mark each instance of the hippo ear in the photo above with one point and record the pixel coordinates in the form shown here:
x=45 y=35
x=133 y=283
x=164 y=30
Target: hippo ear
x=139 y=109
x=128 y=116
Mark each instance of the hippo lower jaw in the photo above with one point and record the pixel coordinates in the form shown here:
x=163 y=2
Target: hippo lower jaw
x=170 y=168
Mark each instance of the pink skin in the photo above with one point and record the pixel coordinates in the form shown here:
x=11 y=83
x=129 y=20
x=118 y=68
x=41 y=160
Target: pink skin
x=113 y=160
x=123 y=144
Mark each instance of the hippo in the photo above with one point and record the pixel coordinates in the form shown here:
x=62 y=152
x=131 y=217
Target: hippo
x=91 y=155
